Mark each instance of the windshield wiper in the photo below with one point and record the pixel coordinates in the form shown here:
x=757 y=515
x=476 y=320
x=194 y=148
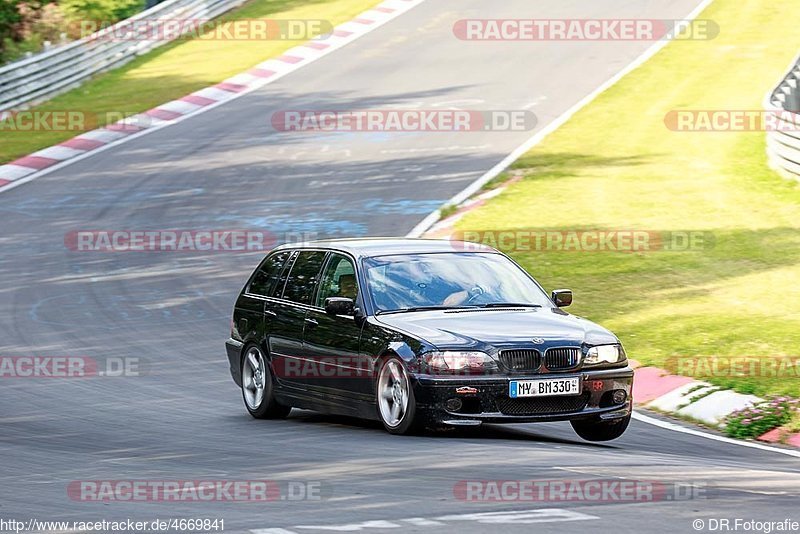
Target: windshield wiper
x=423 y=308
x=510 y=305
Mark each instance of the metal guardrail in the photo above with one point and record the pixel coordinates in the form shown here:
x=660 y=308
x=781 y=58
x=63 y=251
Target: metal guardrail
x=45 y=75
x=783 y=142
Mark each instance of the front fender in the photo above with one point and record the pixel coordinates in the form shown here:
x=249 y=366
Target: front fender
x=403 y=350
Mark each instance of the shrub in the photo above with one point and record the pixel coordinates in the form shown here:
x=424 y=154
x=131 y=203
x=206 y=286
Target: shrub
x=26 y=24
x=50 y=23
x=756 y=420
x=103 y=12
x=10 y=19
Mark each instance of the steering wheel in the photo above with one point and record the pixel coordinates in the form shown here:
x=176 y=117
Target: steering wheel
x=474 y=293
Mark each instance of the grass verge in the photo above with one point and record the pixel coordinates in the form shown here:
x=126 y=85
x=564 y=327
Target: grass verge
x=616 y=166
x=177 y=69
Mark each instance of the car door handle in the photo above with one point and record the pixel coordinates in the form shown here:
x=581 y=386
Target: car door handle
x=270 y=313
x=311 y=322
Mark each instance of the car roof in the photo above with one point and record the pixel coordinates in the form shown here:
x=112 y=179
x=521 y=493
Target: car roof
x=382 y=246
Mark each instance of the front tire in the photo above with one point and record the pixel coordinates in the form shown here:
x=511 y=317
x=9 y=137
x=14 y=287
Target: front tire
x=601 y=430
x=394 y=397
x=257 y=386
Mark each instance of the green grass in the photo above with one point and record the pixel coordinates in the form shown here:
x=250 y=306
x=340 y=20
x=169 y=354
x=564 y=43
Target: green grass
x=794 y=424
x=447 y=210
x=177 y=69
x=615 y=165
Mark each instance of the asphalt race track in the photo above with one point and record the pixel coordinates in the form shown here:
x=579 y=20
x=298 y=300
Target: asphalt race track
x=183 y=418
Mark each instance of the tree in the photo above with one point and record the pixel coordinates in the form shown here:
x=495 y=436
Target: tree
x=10 y=19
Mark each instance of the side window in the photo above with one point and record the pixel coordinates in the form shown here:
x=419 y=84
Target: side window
x=267 y=274
x=277 y=290
x=338 y=280
x=303 y=278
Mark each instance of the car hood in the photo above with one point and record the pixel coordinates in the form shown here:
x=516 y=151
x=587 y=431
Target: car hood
x=483 y=329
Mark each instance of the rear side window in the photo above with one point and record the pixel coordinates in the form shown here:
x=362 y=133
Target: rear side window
x=267 y=274
x=303 y=278
x=277 y=290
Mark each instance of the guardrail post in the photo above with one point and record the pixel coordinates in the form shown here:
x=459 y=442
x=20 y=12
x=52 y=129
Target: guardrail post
x=783 y=141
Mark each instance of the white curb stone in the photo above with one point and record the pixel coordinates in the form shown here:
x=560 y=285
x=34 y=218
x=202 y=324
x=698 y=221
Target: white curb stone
x=179 y=106
x=104 y=136
x=670 y=402
x=59 y=153
x=713 y=408
x=13 y=172
x=214 y=93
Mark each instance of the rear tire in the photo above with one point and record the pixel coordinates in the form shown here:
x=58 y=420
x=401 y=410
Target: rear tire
x=257 y=386
x=394 y=397
x=594 y=430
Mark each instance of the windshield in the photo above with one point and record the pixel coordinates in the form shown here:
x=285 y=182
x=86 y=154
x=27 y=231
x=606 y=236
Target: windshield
x=449 y=280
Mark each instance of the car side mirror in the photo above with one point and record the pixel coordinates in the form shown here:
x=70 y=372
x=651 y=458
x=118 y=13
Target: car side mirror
x=358 y=315
x=562 y=297
x=339 y=306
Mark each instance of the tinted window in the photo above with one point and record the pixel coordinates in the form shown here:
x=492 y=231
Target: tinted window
x=277 y=290
x=267 y=274
x=339 y=280
x=303 y=278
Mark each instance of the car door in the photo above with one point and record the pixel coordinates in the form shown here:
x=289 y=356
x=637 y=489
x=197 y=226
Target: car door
x=292 y=297
x=331 y=342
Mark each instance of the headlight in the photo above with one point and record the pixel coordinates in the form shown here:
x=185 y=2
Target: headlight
x=604 y=354
x=458 y=362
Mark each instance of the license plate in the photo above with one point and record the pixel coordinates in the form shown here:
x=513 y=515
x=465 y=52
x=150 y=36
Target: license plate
x=544 y=387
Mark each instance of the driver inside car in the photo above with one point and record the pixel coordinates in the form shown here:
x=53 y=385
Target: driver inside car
x=463 y=296
x=347 y=286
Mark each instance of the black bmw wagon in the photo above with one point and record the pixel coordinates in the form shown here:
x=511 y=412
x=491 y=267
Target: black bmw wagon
x=417 y=332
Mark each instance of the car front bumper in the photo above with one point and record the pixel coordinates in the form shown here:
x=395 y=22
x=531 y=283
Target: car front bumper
x=485 y=399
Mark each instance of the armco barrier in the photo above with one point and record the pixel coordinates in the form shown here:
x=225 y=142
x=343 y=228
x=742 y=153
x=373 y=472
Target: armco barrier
x=783 y=142
x=45 y=75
